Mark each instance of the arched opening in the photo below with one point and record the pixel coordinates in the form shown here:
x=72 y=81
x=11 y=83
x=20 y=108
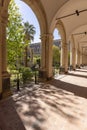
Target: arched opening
x=64 y=49
x=41 y=16
x=34 y=47
x=63 y=66
x=23 y=50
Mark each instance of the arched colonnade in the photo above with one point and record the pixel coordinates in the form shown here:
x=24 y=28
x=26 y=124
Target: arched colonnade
x=48 y=23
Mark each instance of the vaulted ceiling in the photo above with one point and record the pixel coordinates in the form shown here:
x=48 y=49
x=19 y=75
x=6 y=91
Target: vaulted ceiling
x=76 y=23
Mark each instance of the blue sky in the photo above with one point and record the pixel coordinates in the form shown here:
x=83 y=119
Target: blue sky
x=28 y=15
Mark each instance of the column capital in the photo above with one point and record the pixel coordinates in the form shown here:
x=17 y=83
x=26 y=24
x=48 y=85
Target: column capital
x=64 y=45
x=46 y=35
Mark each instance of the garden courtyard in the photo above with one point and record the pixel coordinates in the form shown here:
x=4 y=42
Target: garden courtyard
x=59 y=104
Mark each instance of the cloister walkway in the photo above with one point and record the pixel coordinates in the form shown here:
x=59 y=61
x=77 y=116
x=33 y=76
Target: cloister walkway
x=60 y=104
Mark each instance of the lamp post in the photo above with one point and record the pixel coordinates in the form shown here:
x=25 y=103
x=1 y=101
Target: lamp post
x=36 y=68
x=17 y=68
x=18 y=82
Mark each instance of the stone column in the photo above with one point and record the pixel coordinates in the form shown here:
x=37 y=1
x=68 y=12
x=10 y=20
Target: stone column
x=5 y=75
x=49 y=56
x=84 y=59
x=4 y=53
x=46 y=57
x=78 y=58
x=72 y=54
x=81 y=57
x=64 y=58
x=73 y=58
x=43 y=52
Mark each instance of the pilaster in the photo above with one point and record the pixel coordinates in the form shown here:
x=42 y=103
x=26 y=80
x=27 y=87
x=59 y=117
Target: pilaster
x=4 y=53
x=5 y=77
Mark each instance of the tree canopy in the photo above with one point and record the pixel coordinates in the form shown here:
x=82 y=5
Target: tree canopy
x=29 y=31
x=17 y=32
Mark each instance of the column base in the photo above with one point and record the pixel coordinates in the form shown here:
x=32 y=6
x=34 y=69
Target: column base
x=6 y=94
x=42 y=75
x=77 y=66
x=71 y=68
x=61 y=70
x=66 y=72
x=49 y=78
x=5 y=85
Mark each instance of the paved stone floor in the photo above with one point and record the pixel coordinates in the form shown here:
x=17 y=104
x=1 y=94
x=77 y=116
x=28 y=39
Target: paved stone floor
x=60 y=104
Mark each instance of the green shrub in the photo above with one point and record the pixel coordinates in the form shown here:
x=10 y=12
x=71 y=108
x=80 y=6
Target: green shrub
x=27 y=74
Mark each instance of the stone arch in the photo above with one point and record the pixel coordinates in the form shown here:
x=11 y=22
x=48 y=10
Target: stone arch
x=59 y=25
x=64 y=54
x=37 y=8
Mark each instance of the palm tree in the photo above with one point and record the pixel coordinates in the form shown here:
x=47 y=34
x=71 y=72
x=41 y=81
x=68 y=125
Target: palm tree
x=29 y=31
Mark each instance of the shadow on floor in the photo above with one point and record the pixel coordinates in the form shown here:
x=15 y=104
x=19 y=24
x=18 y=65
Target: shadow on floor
x=37 y=105
x=77 y=75
x=9 y=118
x=81 y=70
x=77 y=90
x=56 y=97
